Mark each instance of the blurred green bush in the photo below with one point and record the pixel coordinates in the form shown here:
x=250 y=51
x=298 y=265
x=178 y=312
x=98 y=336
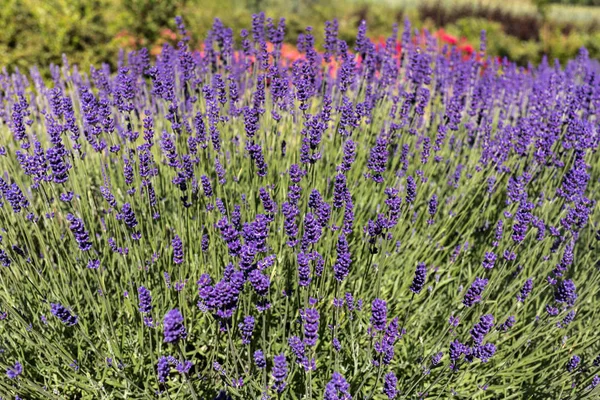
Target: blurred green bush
x=92 y=31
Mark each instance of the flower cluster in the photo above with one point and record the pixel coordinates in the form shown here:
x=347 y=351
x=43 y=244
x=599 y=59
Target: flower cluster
x=366 y=221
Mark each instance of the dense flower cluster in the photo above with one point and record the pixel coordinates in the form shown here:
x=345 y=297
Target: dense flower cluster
x=220 y=221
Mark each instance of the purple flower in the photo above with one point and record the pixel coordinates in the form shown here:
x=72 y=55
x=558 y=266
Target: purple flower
x=290 y=212
x=82 y=237
x=566 y=320
x=379 y=314
x=337 y=346
x=525 y=290
x=312 y=231
x=63 y=314
x=279 y=372
x=482 y=328
x=489 y=260
x=595 y=382
x=4 y=259
x=393 y=201
x=304 y=277
x=411 y=190
x=484 y=352
x=15 y=371
x=456 y=350
x=473 y=294
x=298 y=348
x=259 y=359
x=432 y=208
x=551 y=310
x=310 y=317
x=436 y=358
x=565 y=292
x=54 y=155
x=523 y=218
x=330 y=45
x=348 y=226
x=419 y=279
x=163 y=368
x=349 y=156
x=183 y=367
x=378 y=159
x=260 y=283
x=145 y=300
x=337 y=388
x=390 y=385
x=205 y=243
x=268 y=204
x=296 y=173
x=506 y=325
x=498 y=232
x=341 y=267
x=246 y=329
x=454 y=321
x=177 y=250
x=573 y=363
x=173 y=328
x=206 y=186
x=255 y=152
x=128 y=216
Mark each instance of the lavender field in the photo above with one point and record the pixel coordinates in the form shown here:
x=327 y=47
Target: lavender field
x=398 y=221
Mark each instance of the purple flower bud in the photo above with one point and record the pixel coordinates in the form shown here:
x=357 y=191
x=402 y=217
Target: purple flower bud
x=259 y=359
x=506 y=325
x=411 y=190
x=432 y=208
x=304 y=277
x=419 y=279
x=473 y=294
x=145 y=300
x=482 y=328
x=128 y=216
x=280 y=371
x=163 y=368
x=206 y=186
x=63 y=314
x=565 y=292
x=390 y=385
x=525 y=290
x=177 y=250
x=378 y=159
x=246 y=329
x=349 y=156
x=489 y=260
x=82 y=237
x=483 y=352
x=15 y=371
x=341 y=267
x=456 y=350
x=173 y=328
x=573 y=363
x=310 y=317
x=436 y=358
x=337 y=388
x=379 y=314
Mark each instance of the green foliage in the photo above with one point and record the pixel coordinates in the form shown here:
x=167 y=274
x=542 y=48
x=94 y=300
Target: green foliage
x=36 y=32
x=91 y=32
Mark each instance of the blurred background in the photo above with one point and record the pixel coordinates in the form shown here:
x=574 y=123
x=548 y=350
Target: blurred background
x=38 y=32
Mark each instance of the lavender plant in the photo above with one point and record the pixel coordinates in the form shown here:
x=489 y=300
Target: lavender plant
x=368 y=223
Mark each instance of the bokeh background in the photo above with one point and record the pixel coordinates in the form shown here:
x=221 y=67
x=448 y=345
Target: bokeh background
x=38 y=32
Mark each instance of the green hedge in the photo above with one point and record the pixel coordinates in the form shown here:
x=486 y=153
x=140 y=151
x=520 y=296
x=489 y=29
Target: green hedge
x=92 y=31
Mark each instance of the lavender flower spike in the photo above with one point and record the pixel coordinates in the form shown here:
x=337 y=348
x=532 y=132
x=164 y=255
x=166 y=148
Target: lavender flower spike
x=173 y=327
